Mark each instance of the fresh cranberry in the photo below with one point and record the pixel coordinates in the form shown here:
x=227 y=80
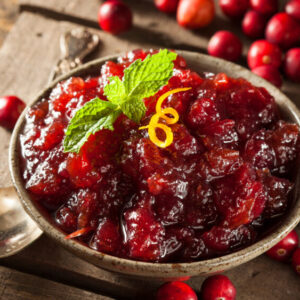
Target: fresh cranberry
x=292 y=64
x=167 y=6
x=225 y=44
x=283 y=250
x=254 y=24
x=283 y=30
x=115 y=16
x=293 y=9
x=269 y=73
x=263 y=53
x=176 y=290
x=218 y=287
x=265 y=7
x=296 y=261
x=195 y=13
x=10 y=109
x=234 y=8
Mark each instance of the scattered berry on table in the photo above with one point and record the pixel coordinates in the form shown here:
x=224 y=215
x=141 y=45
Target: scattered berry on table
x=176 y=290
x=226 y=45
x=234 y=9
x=254 y=24
x=292 y=64
x=262 y=53
x=283 y=250
x=167 y=6
x=218 y=287
x=10 y=109
x=296 y=261
x=195 y=13
x=269 y=73
x=283 y=30
x=115 y=16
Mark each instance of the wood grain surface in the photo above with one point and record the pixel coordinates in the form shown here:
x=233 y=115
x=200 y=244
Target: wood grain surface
x=17 y=285
x=26 y=60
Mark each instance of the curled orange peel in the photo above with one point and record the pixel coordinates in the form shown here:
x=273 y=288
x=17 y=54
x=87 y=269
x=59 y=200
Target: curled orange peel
x=162 y=113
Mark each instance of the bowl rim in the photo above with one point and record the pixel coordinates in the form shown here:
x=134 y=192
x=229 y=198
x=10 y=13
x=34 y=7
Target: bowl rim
x=150 y=269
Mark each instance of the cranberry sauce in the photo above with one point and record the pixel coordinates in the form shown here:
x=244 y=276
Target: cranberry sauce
x=212 y=191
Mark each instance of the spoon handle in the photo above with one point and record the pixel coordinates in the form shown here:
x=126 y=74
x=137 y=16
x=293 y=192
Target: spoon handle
x=75 y=45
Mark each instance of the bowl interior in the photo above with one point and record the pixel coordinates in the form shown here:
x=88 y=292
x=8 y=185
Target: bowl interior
x=199 y=63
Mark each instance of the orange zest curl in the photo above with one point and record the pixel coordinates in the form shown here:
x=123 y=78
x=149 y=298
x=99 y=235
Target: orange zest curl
x=78 y=233
x=162 y=113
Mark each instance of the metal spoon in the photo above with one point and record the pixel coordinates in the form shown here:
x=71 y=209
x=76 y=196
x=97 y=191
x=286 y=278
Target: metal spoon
x=17 y=229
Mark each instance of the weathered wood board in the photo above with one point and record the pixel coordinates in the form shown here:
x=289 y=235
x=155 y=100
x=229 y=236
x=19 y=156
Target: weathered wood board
x=17 y=285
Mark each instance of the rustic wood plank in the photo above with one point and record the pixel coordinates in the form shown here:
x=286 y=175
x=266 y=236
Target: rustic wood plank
x=45 y=258
x=16 y=285
x=8 y=15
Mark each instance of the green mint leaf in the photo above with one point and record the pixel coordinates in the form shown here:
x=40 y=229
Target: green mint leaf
x=92 y=117
x=143 y=79
x=115 y=90
x=134 y=109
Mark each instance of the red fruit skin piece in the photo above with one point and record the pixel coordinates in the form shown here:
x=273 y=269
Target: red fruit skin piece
x=296 y=261
x=293 y=9
x=195 y=13
x=265 y=7
x=115 y=16
x=167 y=6
x=292 y=64
x=269 y=73
x=254 y=24
x=10 y=109
x=262 y=52
x=226 y=45
x=234 y=9
x=176 y=290
x=283 y=30
x=218 y=287
x=283 y=250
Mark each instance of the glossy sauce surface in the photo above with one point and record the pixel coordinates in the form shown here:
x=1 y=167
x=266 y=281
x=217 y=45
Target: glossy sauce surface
x=212 y=191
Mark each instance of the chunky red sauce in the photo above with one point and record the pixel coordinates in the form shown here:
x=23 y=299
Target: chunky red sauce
x=212 y=191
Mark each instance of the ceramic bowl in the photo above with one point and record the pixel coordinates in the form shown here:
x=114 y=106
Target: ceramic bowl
x=200 y=63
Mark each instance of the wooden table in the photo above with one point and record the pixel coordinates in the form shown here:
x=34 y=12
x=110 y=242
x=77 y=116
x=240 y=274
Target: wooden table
x=45 y=270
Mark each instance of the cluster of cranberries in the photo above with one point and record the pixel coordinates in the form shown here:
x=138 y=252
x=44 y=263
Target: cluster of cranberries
x=213 y=288
x=261 y=18
x=286 y=250
x=115 y=16
x=145 y=203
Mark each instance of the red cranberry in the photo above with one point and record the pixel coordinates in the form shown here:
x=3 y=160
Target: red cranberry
x=265 y=7
x=195 y=13
x=254 y=24
x=292 y=64
x=234 y=8
x=10 y=110
x=226 y=45
x=285 y=248
x=269 y=73
x=293 y=9
x=167 y=6
x=296 y=261
x=218 y=287
x=114 y=16
x=264 y=53
x=176 y=290
x=283 y=30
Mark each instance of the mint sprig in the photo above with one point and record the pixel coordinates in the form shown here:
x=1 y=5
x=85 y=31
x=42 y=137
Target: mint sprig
x=141 y=79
